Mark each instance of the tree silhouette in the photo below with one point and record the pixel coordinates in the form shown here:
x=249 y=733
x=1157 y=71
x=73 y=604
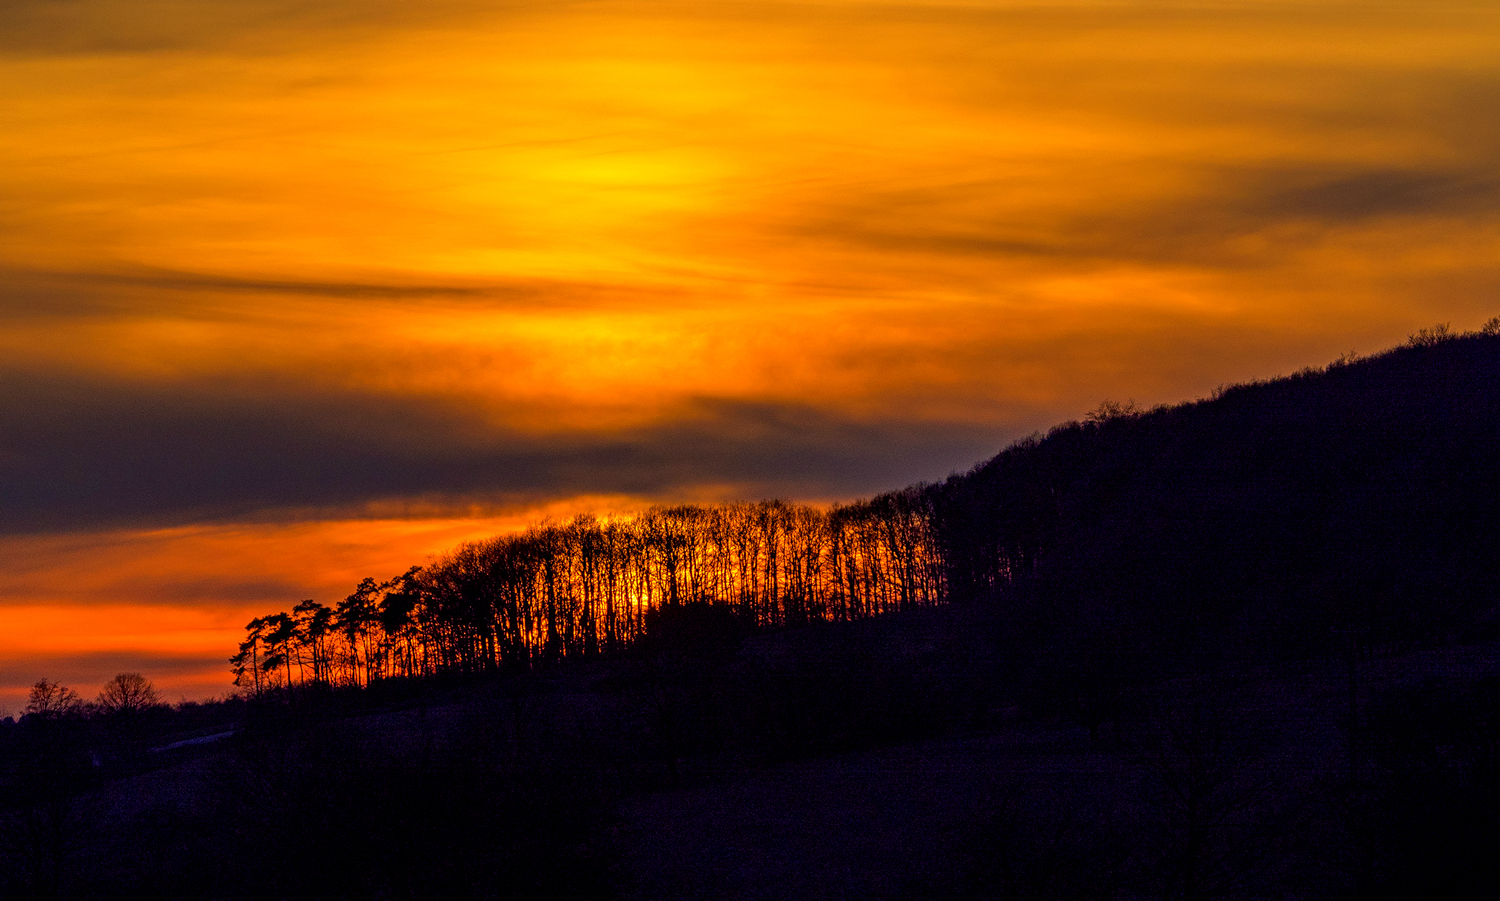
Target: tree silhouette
x=281 y=633
x=246 y=665
x=314 y=623
x=52 y=700
x=128 y=693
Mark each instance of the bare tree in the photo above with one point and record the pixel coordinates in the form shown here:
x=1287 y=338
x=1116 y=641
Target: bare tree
x=1431 y=337
x=52 y=700
x=128 y=693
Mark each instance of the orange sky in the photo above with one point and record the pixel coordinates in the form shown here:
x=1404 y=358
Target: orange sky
x=297 y=292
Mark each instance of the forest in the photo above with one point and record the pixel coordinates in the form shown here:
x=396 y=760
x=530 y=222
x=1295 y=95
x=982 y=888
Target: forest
x=1356 y=496
x=590 y=587
x=1242 y=647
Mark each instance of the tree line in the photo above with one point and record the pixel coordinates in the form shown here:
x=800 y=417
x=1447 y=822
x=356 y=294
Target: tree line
x=591 y=586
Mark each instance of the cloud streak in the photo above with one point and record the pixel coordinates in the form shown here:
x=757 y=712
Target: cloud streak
x=1205 y=223
x=89 y=453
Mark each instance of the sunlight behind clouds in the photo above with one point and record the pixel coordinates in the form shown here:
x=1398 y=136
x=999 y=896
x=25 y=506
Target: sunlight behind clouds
x=264 y=257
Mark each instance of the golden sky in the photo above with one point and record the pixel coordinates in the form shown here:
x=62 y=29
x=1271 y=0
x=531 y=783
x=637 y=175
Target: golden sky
x=297 y=292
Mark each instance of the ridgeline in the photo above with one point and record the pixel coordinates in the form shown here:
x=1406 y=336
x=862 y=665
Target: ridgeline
x=1356 y=500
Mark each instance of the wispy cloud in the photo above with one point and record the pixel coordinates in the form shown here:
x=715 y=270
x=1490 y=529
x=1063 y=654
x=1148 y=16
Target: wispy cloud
x=91 y=453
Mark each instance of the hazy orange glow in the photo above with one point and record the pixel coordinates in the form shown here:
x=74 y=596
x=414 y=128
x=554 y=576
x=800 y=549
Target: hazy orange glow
x=578 y=229
x=88 y=604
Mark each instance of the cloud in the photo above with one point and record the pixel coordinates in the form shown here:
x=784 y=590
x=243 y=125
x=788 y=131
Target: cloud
x=139 y=291
x=1203 y=221
x=1334 y=196
x=935 y=205
x=93 y=452
x=228 y=588
x=29 y=294
x=96 y=667
x=68 y=27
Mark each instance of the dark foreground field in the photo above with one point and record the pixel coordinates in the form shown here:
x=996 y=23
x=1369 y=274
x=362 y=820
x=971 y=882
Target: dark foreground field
x=914 y=756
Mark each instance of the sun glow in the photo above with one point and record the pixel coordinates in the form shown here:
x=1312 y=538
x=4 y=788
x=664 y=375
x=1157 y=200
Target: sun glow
x=353 y=282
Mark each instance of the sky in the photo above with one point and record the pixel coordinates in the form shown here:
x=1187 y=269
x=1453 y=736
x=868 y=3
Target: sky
x=294 y=292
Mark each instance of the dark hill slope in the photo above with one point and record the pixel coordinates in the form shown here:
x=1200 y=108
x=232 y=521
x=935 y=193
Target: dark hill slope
x=1365 y=496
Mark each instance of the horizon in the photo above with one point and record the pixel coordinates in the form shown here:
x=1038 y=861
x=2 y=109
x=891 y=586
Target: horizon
x=297 y=294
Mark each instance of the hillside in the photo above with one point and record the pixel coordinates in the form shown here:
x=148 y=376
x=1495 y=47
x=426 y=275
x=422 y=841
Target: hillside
x=1364 y=496
x=1356 y=501
x=1244 y=647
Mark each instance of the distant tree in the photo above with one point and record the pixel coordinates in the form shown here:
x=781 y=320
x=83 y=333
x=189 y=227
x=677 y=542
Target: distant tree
x=314 y=625
x=397 y=620
x=246 y=664
x=357 y=617
x=128 y=693
x=281 y=632
x=1109 y=410
x=52 y=700
x=1429 y=337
